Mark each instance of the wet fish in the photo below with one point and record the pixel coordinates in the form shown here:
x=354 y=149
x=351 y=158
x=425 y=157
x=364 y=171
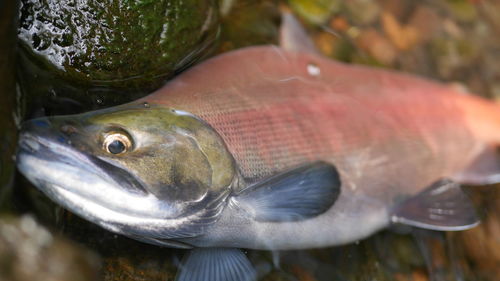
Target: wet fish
x=267 y=148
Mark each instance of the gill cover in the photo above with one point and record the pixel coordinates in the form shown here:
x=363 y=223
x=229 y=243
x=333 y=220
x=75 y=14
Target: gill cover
x=176 y=155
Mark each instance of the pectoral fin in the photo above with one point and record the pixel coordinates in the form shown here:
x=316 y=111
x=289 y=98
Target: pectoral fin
x=443 y=206
x=297 y=194
x=216 y=264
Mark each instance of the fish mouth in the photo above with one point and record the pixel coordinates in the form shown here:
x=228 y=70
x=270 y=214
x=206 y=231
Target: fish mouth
x=86 y=185
x=61 y=151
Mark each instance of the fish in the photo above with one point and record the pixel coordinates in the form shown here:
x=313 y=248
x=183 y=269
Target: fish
x=269 y=148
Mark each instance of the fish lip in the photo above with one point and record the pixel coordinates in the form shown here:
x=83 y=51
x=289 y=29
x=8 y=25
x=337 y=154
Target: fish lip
x=40 y=148
x=45 y=149
x=37 y=152
x=36 y=145
x=150 y=217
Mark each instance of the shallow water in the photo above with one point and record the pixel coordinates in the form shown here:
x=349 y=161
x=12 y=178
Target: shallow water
x=453 y=41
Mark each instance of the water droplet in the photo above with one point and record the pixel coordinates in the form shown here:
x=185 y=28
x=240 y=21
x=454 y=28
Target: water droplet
x=313 y=69
x=146 y=104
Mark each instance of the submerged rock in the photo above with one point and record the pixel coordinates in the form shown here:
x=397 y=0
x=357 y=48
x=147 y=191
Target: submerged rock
x=8 y=110
x=248 y=22
x=82 y=55
x=116 y=42
x=28 y=252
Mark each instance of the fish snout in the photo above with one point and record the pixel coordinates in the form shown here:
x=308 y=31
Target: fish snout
x=41 y=123
x=43 y=128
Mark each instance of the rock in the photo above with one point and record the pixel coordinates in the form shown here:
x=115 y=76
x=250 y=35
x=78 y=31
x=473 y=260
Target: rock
x=248 y=23
x=326 y=43
x=339 y=24
x=8 y=106
x=462 y=10
x=363 y=12
x=116 y=42
x=482 y=244
x=404 y=37
x=426 y=22
x=83 y=55
x=315 y=11
x=377 y=46
x=29 y=252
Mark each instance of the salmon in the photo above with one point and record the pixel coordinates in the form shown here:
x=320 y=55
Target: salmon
x=269 y=148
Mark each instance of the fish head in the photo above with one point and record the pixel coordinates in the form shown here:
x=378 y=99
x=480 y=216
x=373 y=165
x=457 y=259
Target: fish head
x=136 y=170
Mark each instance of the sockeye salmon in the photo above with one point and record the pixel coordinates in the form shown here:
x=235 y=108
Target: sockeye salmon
x=267 y=148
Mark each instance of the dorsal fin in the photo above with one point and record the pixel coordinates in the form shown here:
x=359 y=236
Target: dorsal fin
x=293 y=36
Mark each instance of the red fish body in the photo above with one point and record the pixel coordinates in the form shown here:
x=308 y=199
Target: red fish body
x=384 y=130
x=264 y=148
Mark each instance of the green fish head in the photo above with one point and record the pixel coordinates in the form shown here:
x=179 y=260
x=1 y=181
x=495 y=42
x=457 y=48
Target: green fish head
x=129 y=165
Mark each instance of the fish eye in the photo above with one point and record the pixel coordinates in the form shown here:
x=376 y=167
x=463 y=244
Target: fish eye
x=116 y=143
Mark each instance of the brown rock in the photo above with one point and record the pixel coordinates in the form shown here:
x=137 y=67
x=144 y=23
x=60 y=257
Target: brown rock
x=404 y=37
x=340 y=24
x=377 y=46
x=426 y=22
x=29 y=252
x=482 y=243
x=325 y=43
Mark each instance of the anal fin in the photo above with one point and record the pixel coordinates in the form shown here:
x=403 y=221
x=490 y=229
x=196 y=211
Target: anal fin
x=216 y=264
x=443 y=206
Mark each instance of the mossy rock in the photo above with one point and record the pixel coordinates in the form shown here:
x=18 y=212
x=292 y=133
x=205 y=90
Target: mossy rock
x=116 y=43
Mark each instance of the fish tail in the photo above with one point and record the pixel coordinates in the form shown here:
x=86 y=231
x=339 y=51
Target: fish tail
x=483 y=120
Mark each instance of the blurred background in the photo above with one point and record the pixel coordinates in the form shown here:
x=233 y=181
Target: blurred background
x=68 y=56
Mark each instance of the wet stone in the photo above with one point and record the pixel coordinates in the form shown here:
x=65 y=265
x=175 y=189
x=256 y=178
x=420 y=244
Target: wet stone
x=112 y=43
x=248 y=22
x=28 y=251
x=83 y=55
x=315 y=11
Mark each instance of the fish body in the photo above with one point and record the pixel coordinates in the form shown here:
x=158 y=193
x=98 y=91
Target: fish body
x=267 y=149
x=390 y=135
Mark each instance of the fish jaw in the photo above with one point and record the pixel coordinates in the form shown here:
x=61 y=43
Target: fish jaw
x=76 y=182
x=72 y=180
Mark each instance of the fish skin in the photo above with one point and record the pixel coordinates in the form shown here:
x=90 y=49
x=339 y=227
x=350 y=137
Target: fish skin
x=389 y=135
x=273 y=115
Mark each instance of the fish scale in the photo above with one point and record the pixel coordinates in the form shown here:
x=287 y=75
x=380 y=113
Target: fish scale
x=281 y=116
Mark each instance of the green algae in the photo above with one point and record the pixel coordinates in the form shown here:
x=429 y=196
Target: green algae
x=315 y=11
x=116 y=43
